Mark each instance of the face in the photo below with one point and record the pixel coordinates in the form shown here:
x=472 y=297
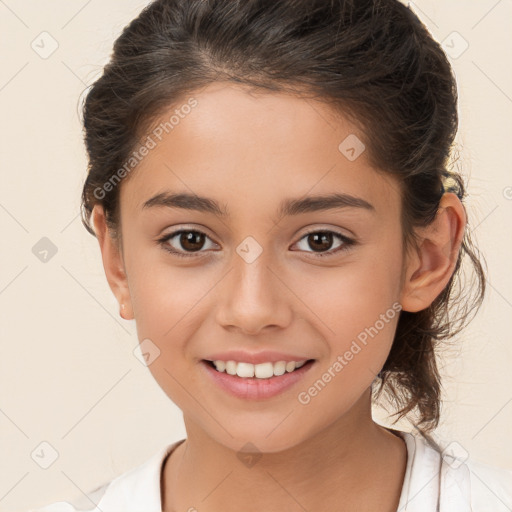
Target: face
x=315 y=281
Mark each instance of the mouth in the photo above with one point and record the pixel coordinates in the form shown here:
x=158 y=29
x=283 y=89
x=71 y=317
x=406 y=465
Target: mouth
x=266 y=370
x=241 y=381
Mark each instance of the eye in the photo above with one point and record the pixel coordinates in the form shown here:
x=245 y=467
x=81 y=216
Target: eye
x=322 y=240
x=193 y=240
x=190 y=240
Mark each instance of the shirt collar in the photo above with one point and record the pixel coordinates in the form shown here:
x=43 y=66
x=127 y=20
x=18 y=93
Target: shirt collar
x=139 y=488
x=429 y=483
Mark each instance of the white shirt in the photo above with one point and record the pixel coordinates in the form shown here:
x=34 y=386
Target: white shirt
x=432 y=483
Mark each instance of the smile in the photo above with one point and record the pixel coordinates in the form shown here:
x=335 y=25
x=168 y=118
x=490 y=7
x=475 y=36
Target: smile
x=260 y=371
x=255 y=381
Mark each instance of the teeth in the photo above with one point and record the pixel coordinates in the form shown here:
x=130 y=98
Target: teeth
x=260 y=371
x=220 y=365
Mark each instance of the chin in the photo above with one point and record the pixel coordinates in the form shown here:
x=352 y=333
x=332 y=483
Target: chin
x=260 y=438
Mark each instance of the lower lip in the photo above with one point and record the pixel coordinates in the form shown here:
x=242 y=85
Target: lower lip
x=256 y=389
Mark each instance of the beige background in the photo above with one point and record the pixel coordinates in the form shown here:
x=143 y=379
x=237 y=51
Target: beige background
x=68 y=373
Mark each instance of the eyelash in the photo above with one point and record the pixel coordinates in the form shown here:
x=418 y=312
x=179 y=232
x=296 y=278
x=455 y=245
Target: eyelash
x=348 y=243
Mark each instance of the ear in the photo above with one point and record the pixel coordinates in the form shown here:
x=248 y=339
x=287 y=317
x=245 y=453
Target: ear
x=113 y=263
x=430 y=267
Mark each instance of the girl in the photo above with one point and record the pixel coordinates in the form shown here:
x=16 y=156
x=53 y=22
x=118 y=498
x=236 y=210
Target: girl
x=269 y=186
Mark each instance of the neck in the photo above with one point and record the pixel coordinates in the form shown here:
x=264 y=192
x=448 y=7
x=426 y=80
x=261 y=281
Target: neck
x=353 y=464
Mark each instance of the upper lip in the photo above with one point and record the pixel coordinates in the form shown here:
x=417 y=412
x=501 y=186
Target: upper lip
x=255 y=357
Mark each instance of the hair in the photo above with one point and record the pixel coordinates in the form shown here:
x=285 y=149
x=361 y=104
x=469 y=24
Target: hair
x=373 y=61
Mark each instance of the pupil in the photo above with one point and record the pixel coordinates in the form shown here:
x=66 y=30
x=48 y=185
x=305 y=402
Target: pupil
x=190 y=238
x=321 y=238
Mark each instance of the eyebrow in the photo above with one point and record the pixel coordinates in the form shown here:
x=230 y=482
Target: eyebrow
x=288 y=207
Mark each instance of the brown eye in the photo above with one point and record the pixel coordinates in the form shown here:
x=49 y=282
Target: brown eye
x=184 y=242
x=191 y=240
x=321 y=243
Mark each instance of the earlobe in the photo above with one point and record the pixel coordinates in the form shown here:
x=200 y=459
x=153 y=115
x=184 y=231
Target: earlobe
x=430 y=268
x=112 y=262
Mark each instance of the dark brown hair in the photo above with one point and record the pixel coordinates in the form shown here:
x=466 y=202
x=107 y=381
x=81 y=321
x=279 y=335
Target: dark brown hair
x=371 y=60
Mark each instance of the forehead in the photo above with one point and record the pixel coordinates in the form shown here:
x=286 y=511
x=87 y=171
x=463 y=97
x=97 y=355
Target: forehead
x=254 y=148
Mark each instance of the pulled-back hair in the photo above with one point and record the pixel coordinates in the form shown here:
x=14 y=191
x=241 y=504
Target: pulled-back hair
x=371 y=60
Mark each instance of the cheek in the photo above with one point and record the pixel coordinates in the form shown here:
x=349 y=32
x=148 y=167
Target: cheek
x=347 y=299
x=167 y=303
x=164 y=295
x=357 y=322
x=358 y=346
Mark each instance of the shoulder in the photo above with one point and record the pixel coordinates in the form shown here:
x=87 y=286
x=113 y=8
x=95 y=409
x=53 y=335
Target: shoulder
x=491 y=487
x=469 y=483
x=135 y=490
x=87 y=503
x=438 y=480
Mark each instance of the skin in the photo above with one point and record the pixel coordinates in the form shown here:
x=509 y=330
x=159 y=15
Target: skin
x=249 y=152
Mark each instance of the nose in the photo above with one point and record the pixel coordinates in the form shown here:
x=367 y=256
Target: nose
x=253 y=297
